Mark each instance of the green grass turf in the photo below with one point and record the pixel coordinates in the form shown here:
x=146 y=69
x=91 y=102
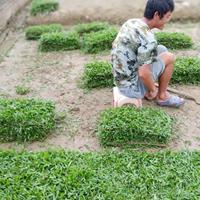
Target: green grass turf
x=91 y=176
x=126 y=125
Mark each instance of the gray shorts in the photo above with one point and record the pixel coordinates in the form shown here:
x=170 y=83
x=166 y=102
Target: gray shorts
x=157 y=68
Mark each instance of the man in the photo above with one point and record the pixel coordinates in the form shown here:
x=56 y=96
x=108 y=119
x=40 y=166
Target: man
x=138 y=61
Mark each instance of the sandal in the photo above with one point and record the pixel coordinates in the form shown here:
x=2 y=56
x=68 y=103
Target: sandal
x=172 y=101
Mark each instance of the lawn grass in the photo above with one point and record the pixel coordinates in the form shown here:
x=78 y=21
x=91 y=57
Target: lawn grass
x=128 y=125
x=91 y=38
x=35 y=32
x=22 y=90
x=59 y=41
x=97 y=74
x=174 y=40
x=91 y=27
x=110 y=175
x=186 y=71
x=99 y=41
x=25 y=119
x=43 y=6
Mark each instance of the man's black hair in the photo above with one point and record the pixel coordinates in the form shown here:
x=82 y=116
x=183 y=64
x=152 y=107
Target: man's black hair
x=161 y=6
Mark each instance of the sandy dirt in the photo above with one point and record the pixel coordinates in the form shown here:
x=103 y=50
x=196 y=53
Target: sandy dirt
x=55 y=76
x=8 y=9
x=114 y=11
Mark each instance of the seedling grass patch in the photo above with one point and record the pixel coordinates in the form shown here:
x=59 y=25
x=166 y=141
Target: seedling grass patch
x=96 y=42
x=43 y=6
x=59 y=41
x=25 y=119
x=126 y=125
x=186 y=70
x=92 y=37
x=22 y=90
x=97 y=74
x=109 y=175
x=174 y=40
x=91 y=27
x=34 y=32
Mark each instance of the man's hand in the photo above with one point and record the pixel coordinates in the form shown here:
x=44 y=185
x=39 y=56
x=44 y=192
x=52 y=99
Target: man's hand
x=146 y=76
x=151 y=94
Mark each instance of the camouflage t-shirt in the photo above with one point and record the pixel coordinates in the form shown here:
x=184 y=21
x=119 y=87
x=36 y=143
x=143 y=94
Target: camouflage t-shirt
x=134 y=46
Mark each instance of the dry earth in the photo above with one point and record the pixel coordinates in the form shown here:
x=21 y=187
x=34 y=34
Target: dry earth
x=114 y=11
x=55 y=76
x=8 y=9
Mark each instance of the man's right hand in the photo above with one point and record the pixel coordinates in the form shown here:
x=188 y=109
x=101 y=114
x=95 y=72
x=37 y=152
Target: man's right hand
x=152 y=94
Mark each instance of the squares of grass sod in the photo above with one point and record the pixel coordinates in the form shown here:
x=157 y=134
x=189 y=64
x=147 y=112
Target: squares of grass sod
x=91 y=27
x=43 y=6
x=25 y=119
x=59 y=41
x=186 y=70
x=112 y=175
x=34 y=32
x=174 y=40
x=129 y=125
x=96 y=42
x=97 y=74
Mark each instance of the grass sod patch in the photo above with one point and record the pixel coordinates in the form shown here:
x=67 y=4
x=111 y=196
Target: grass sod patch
x=43 y=6
x=91 y=27
x=25 y=119
x=186 y=70
x=59 y=41
x=97 y=74
x=22 y=90
x=174 y=40
x=96 y=42
x=126 y=125
x=35 y=32
x=111 y=175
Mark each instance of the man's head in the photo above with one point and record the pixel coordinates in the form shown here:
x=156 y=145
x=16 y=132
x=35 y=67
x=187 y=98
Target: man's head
x=159 y=12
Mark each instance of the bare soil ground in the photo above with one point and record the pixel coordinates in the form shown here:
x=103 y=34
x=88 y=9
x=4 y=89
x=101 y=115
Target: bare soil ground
x=114 y=11
x=55 y=76
x=8 y=9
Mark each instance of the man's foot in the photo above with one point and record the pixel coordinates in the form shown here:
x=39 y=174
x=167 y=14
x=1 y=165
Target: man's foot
x=172 y=101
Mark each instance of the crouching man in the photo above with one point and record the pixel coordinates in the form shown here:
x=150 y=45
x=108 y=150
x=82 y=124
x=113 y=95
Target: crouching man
x=138 y=61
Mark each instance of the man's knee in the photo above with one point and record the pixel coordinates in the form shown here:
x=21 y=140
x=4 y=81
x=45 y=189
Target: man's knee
x=168 y=58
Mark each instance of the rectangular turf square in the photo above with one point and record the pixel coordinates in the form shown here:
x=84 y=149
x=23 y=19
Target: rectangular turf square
x=126 y=125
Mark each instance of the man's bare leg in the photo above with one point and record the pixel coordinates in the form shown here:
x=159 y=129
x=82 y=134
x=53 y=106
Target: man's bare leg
x=164 y=79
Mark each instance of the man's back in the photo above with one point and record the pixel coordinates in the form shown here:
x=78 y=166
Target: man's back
x=134 y=46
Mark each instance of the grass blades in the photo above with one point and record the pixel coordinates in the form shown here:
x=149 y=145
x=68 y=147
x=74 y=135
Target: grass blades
x=111 y=175
x=22 y=90
x=25 y=119
x=35 y=32
x=97 y=74
x=96 y=42
x=174 y=40
x=121 y=126
x=62 y=41
x=43 y=6
x=91 y=27
x=186 y=71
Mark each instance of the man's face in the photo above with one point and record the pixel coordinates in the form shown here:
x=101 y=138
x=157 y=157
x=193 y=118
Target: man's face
x=160 y=22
